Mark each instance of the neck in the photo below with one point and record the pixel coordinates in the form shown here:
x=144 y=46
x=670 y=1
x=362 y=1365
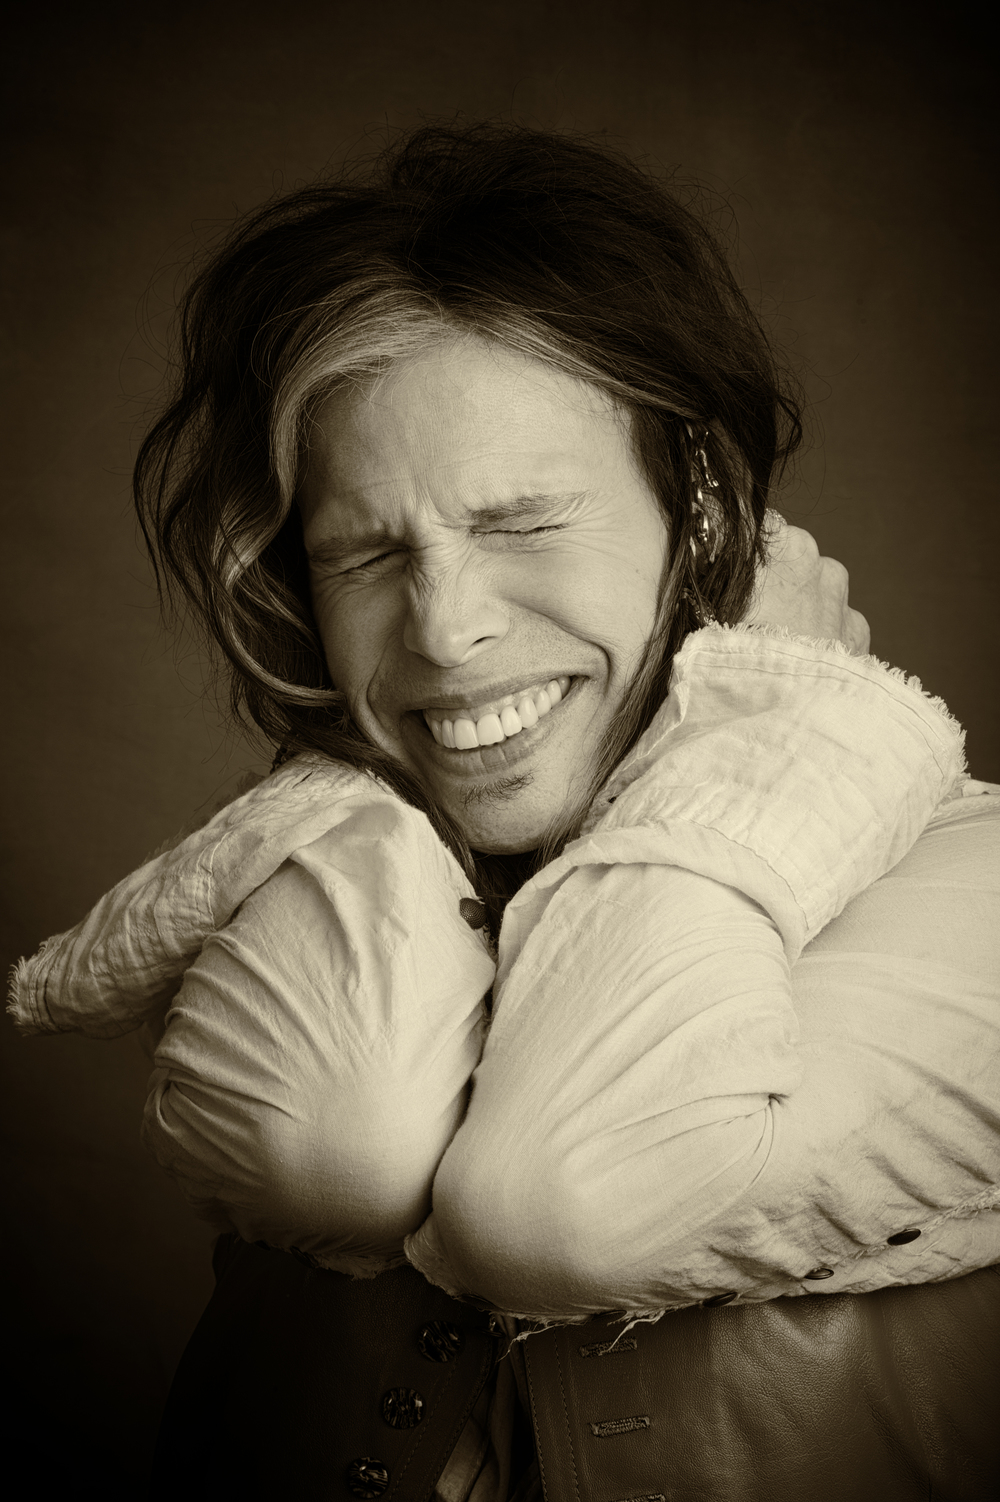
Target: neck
x=498 y=878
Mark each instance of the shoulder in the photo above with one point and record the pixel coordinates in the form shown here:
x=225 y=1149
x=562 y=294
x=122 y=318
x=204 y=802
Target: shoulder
x=121 y=963
x=371 y=893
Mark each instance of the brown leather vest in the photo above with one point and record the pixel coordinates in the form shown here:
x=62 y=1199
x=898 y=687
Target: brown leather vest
x=891 y=1396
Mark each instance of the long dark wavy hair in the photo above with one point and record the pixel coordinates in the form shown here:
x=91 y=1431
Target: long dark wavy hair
x=539 y=241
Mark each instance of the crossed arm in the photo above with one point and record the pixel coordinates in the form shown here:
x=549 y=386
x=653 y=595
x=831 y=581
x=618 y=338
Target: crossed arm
x=665 y=1109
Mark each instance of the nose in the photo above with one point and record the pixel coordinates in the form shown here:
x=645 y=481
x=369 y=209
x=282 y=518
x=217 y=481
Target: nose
x=451 y=618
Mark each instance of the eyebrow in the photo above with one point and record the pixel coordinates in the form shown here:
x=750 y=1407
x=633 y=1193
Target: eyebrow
x=522 y=505
x=335 y=550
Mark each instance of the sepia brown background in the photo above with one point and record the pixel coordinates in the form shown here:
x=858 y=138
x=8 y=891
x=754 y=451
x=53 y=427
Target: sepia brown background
x=847 y=153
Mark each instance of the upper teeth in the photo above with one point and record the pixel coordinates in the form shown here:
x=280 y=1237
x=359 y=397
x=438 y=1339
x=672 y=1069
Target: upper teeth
x=490 y=724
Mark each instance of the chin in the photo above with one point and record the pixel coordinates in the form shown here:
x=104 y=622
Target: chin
x=497 y=818
x=489 y=839
x=480 y=845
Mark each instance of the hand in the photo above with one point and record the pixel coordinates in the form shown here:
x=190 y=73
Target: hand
x=808 y=594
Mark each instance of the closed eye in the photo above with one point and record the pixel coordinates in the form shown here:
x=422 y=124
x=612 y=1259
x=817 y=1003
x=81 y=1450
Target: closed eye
x=371 y=565
x=374 y=564
x=519 y=531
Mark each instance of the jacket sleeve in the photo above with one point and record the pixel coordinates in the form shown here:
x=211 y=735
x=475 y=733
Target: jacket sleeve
x=315 y=1062
x=675 y=1103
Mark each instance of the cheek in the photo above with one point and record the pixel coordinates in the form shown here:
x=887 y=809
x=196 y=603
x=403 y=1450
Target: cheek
x=600 y=593
x=348 y=637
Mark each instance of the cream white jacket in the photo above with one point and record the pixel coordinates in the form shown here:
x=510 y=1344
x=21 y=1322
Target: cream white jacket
x=745 y=1029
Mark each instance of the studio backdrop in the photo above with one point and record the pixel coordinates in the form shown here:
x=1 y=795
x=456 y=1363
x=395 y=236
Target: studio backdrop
x=845 y=152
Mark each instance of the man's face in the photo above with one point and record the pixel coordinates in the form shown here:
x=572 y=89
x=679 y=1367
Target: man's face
x=477 y=531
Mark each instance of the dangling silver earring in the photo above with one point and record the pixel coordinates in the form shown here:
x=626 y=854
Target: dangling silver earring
x=704 y=542
x=706 y=539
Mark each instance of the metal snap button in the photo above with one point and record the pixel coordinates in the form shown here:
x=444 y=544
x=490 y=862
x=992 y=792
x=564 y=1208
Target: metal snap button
x=718 y=1299
x=473 y=911
x=367 y=1478
x=440 y=1340
x=820 y=1272
x=901 y=1238
x=402 y=1408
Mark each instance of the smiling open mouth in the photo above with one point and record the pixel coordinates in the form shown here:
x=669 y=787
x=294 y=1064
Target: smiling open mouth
x=488 y=725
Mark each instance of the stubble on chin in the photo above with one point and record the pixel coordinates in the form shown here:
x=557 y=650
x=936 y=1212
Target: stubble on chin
x=503 y=790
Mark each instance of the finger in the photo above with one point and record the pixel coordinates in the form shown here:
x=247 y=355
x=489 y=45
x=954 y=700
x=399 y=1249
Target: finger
x=859 y=633
x=799 y=544
x=834 y=576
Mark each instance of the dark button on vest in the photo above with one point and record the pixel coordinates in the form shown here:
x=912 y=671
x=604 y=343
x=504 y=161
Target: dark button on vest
x=472 y=911
x=440 y=1340
x=402 y=1408
x=719 y=1298
x=901 y=1238
x=818 y=1273
x=367 y=1478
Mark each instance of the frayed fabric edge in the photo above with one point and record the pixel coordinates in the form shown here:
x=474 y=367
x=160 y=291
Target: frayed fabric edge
x=865 y=659
x=22 y=987
x=361 y=1268
x=626 y=1318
